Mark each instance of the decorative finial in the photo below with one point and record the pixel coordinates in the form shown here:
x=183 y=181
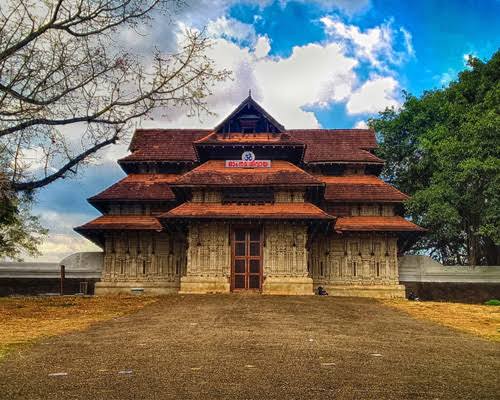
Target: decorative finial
x=249 y=92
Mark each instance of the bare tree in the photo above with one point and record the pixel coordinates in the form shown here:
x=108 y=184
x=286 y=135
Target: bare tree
x=68 y=88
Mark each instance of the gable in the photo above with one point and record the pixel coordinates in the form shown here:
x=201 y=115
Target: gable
x=249 y=117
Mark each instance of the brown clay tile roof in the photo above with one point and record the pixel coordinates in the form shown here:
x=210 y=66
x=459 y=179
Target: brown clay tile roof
x=114 y=222
x=164 y=144
x=322 y=145
x=214 y=173
x=375 y=223
x=344 y=145
x=145 y=187
x=267 y=211
x=360 y=188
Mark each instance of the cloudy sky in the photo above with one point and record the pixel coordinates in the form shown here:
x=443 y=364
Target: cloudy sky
x=310 y=63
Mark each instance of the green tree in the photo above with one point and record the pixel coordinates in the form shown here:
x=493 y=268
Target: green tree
x=20 y=232
x=443 y=148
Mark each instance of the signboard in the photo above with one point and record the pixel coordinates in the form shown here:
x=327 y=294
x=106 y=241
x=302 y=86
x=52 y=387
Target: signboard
x=248 y=161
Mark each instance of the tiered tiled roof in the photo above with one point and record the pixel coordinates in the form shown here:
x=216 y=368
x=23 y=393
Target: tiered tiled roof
x=342 y=145
x=175 y=149
x=143 y=187
x=265 y=211
x=321 y=145
x=164 y=145
x=365 y=188
x=118 y=222
x=375 y=223
x=214 y=173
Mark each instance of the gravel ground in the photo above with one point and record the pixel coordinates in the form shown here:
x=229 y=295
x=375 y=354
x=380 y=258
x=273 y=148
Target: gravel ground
x=257 y=347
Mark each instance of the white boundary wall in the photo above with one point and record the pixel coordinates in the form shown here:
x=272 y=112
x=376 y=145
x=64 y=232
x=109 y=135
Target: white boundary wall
x=79 y=265
x=411 y=269
x=425 y=269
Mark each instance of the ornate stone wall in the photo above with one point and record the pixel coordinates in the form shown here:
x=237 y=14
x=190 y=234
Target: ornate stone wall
x=362 y=259
x=285 y=260
x=144 y=256
x=208 y=259
x=209 y=249
x=284 y=250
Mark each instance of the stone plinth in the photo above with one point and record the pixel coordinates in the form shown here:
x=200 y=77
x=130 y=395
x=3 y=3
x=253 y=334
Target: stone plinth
x=204 y=284
x=374 y=291
x=288 y=285
x=130 y=287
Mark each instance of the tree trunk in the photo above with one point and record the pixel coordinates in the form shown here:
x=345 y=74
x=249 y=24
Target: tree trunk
x=492 y=252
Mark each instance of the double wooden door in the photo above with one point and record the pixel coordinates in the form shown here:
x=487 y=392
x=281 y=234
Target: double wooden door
x=246 y=269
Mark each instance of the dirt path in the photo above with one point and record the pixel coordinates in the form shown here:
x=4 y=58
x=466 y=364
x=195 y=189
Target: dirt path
x=256 y=347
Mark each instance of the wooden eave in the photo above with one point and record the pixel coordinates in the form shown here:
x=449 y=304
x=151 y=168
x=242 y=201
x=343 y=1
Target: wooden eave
x=376 y=224
x=275 y=211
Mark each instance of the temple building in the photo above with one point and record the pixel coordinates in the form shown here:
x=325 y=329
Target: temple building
x=251 y=206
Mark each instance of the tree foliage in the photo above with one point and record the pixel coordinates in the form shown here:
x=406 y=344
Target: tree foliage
x=19 y=230
x=70 y=86
x=443 y=148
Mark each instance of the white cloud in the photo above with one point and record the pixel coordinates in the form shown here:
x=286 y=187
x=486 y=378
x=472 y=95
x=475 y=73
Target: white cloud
x=313 y=75
x=262 y=47
x=446 y=77
x=59 y=246
x=62 y=240
x=231 y=28
x=408 y=39
x=373 y=96
x=374 y=45
x=361 y=125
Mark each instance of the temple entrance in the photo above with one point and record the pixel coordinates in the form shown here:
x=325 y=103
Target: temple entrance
x=246 y=266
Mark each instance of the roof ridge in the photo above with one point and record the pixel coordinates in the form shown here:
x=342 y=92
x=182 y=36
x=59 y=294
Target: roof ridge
x=330 y=130
x=174 y=129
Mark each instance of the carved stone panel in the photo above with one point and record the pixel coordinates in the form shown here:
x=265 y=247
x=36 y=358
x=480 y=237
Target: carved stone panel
x=284 y=250
x=143 y=256
x=209 y=250
x=356 y=259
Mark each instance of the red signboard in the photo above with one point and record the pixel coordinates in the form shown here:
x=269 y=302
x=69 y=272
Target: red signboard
x=248 y=164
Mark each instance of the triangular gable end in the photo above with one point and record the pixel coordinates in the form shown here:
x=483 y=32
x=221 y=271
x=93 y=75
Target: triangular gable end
x=249 y=117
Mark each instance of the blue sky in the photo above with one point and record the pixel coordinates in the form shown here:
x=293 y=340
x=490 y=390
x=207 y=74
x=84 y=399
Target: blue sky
x=330 y=64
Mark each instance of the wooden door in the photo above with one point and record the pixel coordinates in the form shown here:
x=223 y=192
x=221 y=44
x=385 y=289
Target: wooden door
x=246 y=270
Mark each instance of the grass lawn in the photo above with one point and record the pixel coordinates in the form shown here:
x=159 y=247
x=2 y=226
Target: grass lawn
x=27 y=319
x=479 y=320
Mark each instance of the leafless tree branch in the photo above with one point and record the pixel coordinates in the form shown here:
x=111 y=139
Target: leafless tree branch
x=62 y=69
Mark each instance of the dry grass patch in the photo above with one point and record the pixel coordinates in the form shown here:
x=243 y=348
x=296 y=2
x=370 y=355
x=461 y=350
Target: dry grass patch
x=26 y=319
x=479 y=320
